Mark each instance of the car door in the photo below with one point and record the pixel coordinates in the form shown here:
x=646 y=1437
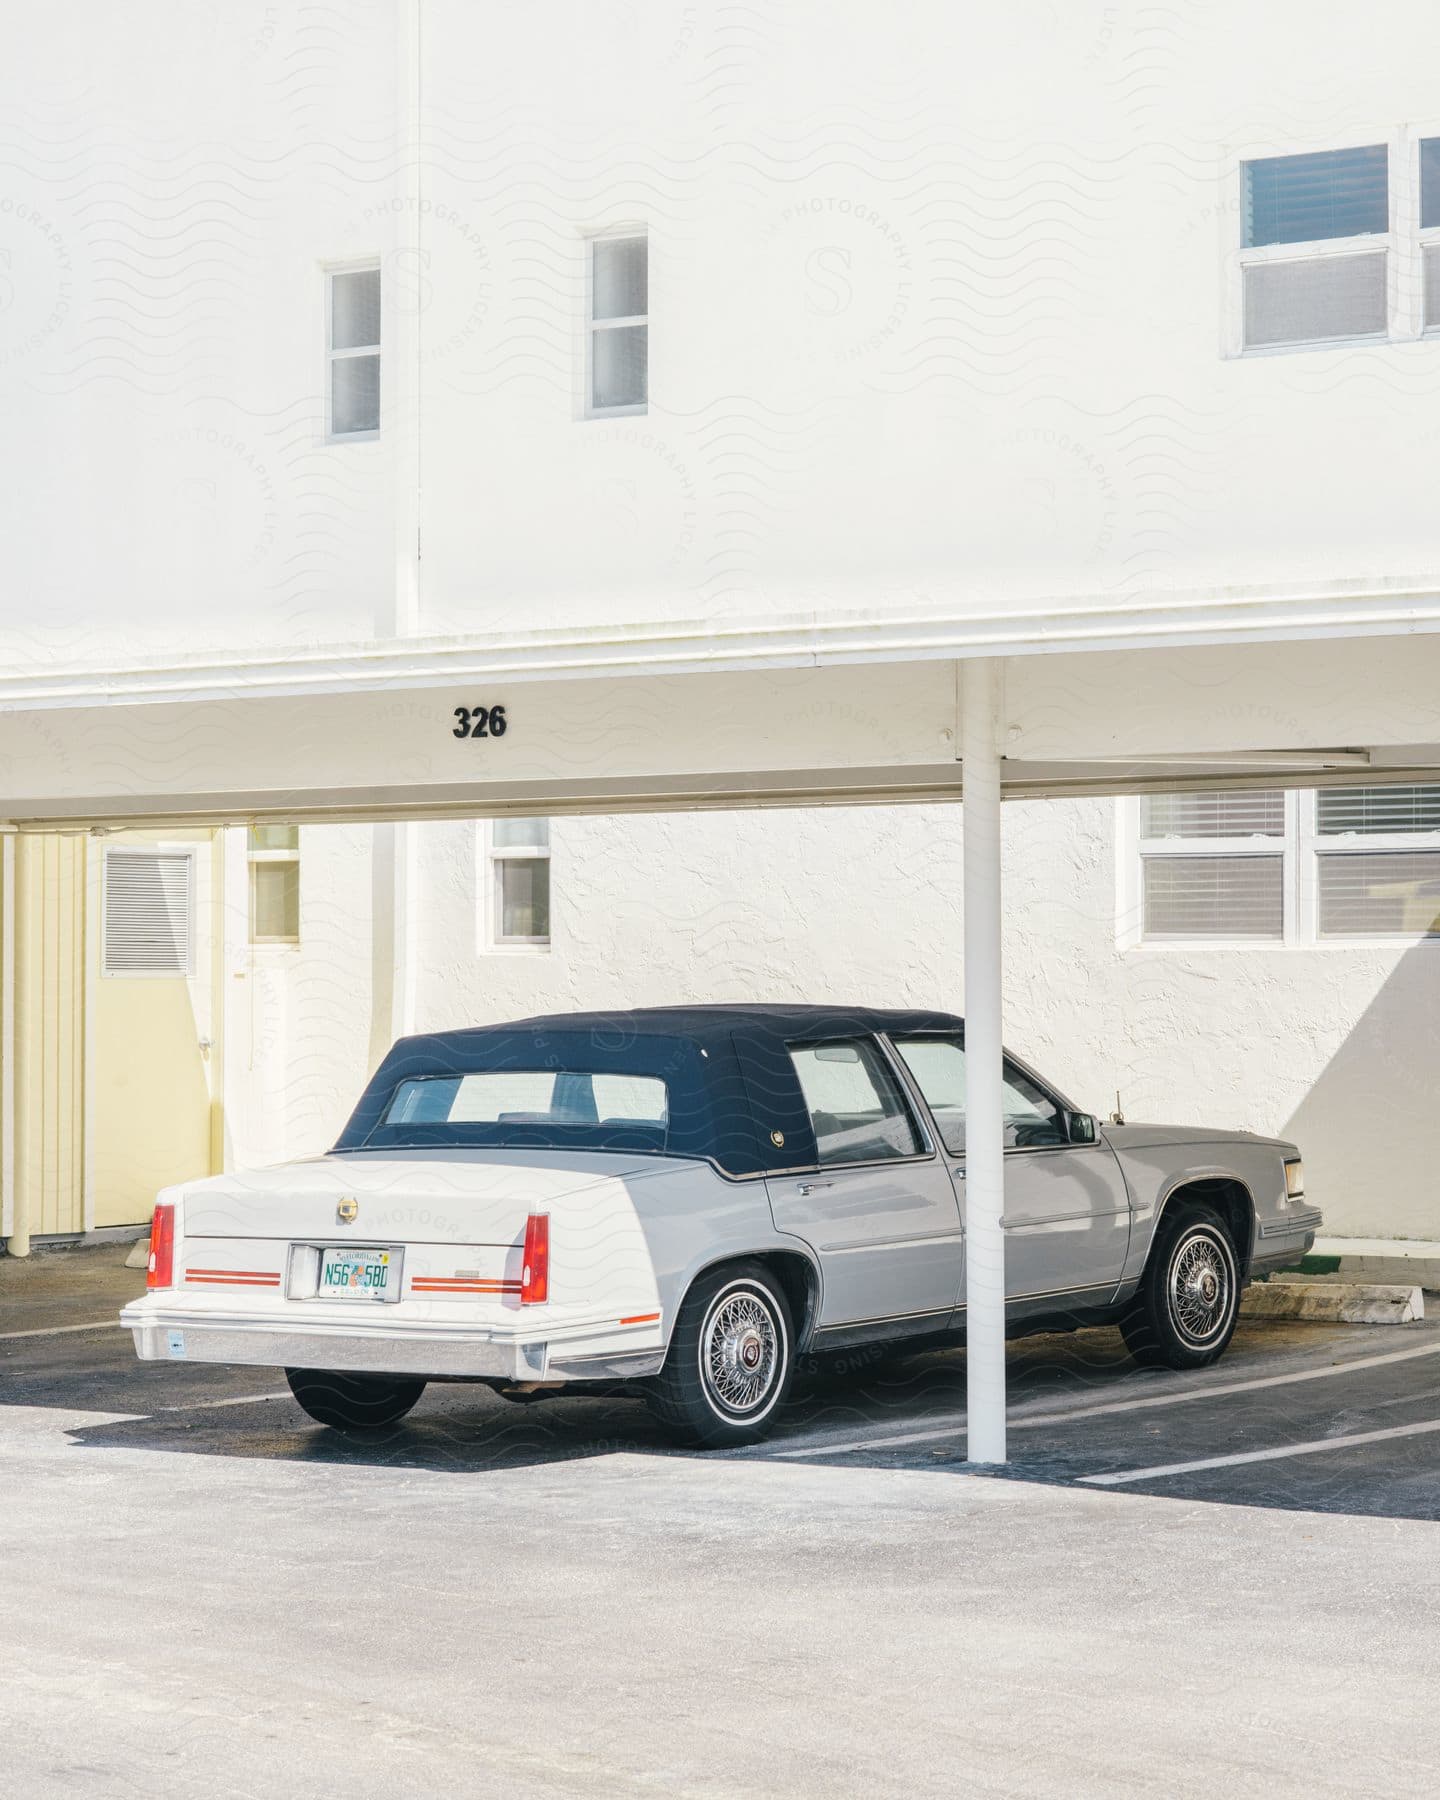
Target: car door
x=879 y=1210
x=1067 y=1209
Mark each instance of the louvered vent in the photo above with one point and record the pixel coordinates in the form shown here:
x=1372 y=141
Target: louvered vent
x=148 y=912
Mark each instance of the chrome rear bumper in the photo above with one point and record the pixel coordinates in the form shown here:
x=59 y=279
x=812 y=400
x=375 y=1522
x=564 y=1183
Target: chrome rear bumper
x=173 y=1334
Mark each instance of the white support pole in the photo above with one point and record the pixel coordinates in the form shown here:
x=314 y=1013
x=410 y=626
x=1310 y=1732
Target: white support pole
x=984 y=1093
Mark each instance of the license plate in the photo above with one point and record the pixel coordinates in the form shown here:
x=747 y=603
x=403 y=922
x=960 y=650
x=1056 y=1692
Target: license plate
x=359 y=1274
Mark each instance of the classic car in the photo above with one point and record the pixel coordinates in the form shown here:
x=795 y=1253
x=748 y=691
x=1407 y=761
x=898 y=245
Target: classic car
x=686 y=1200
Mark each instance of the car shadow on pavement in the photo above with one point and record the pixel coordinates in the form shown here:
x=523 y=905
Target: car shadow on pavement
x=1295 y=1418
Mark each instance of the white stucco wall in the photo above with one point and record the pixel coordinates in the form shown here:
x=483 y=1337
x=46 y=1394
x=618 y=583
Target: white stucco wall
x=1334 y=1046
x=940 y=309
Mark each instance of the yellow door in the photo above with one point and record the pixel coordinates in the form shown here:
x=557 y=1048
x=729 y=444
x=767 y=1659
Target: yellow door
x=153 y=1064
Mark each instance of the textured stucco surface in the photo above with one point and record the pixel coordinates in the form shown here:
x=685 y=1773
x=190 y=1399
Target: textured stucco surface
x=1333 y=1046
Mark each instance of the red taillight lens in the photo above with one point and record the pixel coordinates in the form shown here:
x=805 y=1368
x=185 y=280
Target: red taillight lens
x=160 y=1270
x=535 y=1275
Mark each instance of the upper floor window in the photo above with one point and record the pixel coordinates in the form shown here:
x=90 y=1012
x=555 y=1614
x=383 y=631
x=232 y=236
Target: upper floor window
x=1339 y=245
x=618 y=325
x=353 y=351
x=519 y=869
x=1316 y=246
x=274 y=856
x=1298 y=867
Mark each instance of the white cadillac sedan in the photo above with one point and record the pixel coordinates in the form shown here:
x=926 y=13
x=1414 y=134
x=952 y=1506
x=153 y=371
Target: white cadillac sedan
x=684 y=1200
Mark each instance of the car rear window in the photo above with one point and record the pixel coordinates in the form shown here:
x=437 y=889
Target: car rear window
x=555 y=1104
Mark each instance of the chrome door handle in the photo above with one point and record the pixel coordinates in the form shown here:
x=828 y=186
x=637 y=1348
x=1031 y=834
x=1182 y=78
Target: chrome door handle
x=809 y=1187
x=959 y=1173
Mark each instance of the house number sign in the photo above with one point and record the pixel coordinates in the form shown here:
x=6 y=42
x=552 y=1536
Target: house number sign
x=480 y=722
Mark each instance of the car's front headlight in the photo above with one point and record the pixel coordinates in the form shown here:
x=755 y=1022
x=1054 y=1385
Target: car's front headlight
x=1294 y=1178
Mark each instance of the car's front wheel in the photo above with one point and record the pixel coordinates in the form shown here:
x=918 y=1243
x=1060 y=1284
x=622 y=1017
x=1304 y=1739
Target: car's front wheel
x=731 y=1359
x=1189 y=1299
x=346 y=1401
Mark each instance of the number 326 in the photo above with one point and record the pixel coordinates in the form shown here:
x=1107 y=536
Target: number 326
x=479 y=721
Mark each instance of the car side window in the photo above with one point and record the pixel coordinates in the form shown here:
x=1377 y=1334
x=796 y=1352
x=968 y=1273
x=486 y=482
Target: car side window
x=1032 y=1119
x=855 y=1104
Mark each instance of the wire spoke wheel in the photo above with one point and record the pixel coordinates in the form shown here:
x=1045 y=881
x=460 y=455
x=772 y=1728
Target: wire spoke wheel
x=741 y=1351
x=1200 y=1287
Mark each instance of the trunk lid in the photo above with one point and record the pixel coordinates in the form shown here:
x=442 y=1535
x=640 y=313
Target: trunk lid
x=399 y=1197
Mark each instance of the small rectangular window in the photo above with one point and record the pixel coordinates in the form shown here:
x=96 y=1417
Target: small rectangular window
x=1306 y=202
x=856 y=1108
x=519 y=857
x=618 y=325
x=274 y=856
x=353 y=347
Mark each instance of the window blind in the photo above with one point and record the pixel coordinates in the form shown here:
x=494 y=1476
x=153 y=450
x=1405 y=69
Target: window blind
x=1379 y=893
x=1222 y=814
x=1326 y=194
x=1371 y=810
x=1213 y=896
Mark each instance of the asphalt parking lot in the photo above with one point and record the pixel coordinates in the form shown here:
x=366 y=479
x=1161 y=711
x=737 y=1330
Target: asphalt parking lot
x=547 y=1599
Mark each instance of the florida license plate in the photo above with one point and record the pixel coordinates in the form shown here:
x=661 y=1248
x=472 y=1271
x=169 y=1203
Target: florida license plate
x=359 y=1274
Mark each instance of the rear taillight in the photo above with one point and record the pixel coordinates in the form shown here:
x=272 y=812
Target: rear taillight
x=160 y=1270
x=535 y=1274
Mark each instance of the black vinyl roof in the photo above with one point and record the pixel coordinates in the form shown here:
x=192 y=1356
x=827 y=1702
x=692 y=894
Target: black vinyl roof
x=723 y=1018
x=734 y=1096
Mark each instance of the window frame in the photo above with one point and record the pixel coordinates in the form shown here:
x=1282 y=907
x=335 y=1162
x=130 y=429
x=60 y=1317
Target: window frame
x=494 y=856
x=355 y=266
x=1300 y=847
x=1400 y=243
x=617 y=235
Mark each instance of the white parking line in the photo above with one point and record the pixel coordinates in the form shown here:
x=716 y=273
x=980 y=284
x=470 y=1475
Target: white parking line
x=1314 y=1448
x=1022 y=1419
x=235 y=1400
x=58 y=1330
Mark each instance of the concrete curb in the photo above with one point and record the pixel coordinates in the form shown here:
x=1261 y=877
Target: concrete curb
x=1322 y=1301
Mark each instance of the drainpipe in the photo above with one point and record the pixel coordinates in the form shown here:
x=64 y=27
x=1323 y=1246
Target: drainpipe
x=984 y=1103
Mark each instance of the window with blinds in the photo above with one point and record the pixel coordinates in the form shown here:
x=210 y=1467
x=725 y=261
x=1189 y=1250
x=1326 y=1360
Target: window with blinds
x=1377 y=862
x=1303 y=867
x=1213 y=865
x=1300 y=204
x=149 y=912
x=1214 y=897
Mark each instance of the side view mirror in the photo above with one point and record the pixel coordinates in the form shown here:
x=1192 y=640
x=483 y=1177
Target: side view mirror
x=1081 y=1128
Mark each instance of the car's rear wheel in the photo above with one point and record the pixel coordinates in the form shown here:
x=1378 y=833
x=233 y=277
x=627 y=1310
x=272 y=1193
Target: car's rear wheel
x=350 y=1402
x=1189 y=1298
x=731 y=1359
